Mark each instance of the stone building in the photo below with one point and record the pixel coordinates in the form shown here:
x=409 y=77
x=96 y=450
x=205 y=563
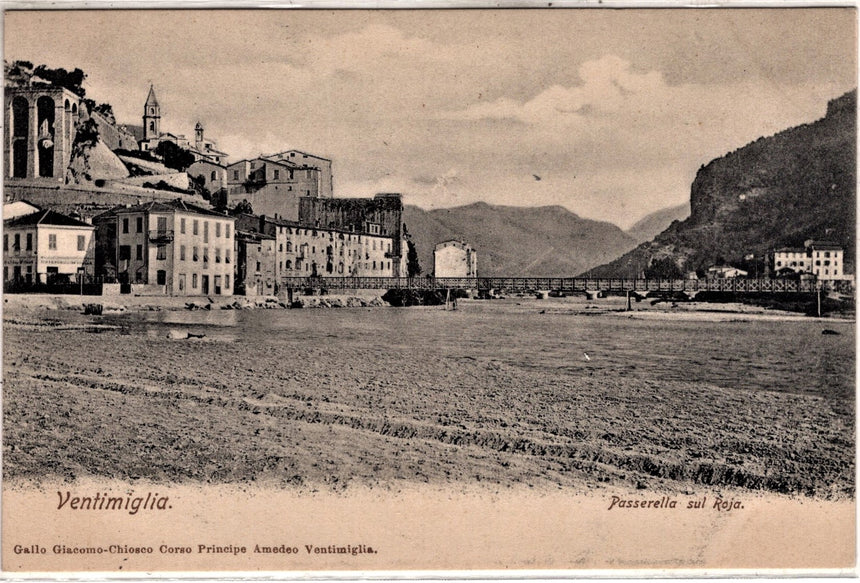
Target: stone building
x=272 y=187
x=256 y=264
x=40 y=131
x=303 y=251
x=212 y=175
x=46 y=247
x=325 y=188
x=167 y=247
x=380 y=216
x=455 y=259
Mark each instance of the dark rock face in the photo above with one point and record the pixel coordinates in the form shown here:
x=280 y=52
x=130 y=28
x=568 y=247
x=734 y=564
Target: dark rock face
x=777 y=191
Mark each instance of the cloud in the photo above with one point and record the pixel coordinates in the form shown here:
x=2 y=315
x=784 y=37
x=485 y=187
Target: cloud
x=607 y=85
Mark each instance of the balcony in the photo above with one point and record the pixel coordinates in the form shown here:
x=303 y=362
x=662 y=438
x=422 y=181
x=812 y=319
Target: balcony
x=161 y=237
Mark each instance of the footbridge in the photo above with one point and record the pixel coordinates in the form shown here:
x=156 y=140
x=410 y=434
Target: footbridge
x=570 y=285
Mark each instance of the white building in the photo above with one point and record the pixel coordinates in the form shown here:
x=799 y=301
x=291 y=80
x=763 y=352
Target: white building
x=455 y=259
x=46 y=247
x=820 y=258
x=725 y=272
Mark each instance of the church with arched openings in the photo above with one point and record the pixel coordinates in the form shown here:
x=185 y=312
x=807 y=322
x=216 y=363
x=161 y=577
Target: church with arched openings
x=41 y=127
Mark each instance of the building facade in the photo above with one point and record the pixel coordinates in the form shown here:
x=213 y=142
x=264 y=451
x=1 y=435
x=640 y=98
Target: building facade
x=455 y=259
x=169 y=248
x=303 y=251
x=380 y=216
x=40 y=130
x=822 y=259
x=272 y=187
x=46 y=247
x=256 y=264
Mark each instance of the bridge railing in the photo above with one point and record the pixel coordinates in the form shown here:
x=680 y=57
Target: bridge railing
x=569 y=284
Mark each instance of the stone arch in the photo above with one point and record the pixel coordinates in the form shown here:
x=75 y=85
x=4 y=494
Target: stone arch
x=45 y=123
x=67 y=105
x=74 y=108
x=20 y=136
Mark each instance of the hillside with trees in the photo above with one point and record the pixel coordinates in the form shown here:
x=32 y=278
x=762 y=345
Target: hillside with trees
x=778 y=191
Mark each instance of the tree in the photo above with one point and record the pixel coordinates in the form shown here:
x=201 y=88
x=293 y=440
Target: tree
x=664 y=268
x=72 y=80
x=174 y=156
x=413 y=268
x=243 y=207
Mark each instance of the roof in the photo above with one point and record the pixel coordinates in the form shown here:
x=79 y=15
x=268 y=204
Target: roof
x=45 y=217
x=252 y=235
x=298 y=152
x=790 y=250
x=151 y=100
x=456 y=242
x=156 y=206
x=828 y=245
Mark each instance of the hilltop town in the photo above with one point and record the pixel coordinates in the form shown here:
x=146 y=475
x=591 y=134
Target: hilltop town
x=134 y=209
x=111 y=208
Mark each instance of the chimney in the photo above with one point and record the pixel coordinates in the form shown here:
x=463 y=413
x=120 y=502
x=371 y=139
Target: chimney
x=262 y=223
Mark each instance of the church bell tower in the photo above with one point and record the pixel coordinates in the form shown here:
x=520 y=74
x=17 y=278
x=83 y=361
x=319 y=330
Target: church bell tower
x=151 y=116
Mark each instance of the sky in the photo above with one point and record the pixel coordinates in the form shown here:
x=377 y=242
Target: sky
x=608 y=113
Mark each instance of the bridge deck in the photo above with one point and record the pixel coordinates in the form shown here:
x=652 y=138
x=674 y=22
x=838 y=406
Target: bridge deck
x=567 y=284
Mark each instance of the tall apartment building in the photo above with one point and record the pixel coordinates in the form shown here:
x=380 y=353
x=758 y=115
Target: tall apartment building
x=167 y=247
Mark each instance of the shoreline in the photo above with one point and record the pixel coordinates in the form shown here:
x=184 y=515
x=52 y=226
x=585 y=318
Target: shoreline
x=614 y=307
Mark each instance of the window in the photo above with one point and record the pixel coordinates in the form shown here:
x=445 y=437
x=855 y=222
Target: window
x=194 y=254
x=205 y=231
x=313 y=249
x=374 y=264
x=182 y=252
x=181 y=282
x=194 y=228
x=277 y=174
x=235 y=175
x=193 y=281
x=226 y=283
x=138 y=277
x=81 y=243
x=161 y=277
x=817 y=262
x=212 y=179
x=226 y=256
x=227 y=230
x=826 y=261
x=124 y=252
x=217 y=229
x=205 y=255
x=827 y=254
x=161 y=252
x=17 y=244
x=289 y=246
x=139 y=253
x=125 y=225
x=52 y=242
x=281 y=248
x=217 y=255
x=182 y=226
x=289 y=264
x=139 y=222
x=252 y=165
x=5 y=244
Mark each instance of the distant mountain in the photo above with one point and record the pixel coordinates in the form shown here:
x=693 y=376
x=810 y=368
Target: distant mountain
x=547 y=241
x=652 y=225
x=779 y=191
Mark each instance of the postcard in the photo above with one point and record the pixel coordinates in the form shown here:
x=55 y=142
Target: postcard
x=546 y=290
